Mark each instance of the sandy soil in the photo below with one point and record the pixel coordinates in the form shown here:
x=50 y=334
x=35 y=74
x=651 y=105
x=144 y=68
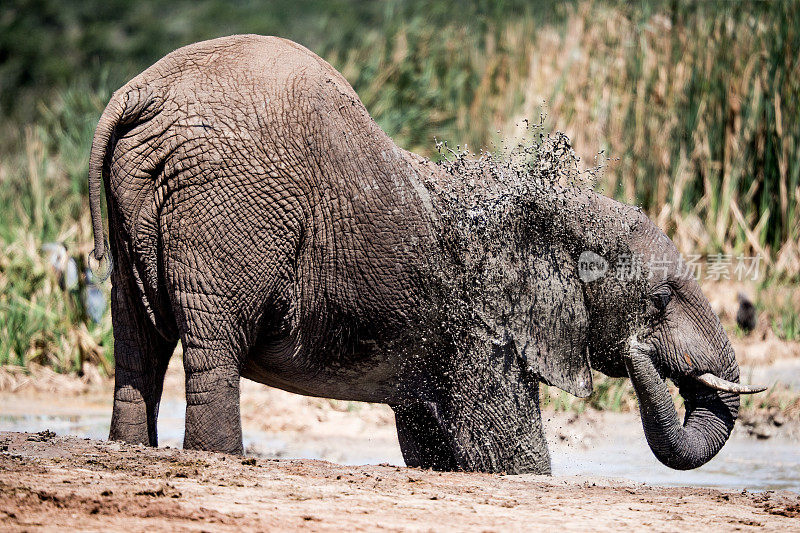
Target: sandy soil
x=49 y=483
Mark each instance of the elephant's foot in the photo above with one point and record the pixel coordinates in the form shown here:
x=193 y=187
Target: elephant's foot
x=213 y=421
x=136 y=400
x=130 y=421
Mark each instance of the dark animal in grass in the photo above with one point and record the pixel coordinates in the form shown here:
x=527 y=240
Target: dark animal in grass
x=261 y=217
x=746 y=314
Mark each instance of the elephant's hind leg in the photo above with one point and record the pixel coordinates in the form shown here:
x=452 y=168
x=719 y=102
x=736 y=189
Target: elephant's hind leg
x=141 y=357
x=214 y=348
x=229 y=278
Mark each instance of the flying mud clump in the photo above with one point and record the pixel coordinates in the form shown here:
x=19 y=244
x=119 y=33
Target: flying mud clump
x=497 y=270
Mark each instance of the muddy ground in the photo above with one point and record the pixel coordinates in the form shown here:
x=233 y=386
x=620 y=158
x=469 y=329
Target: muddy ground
x=51 y=483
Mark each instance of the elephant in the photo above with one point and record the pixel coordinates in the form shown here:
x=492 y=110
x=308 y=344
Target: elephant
x=258 y=215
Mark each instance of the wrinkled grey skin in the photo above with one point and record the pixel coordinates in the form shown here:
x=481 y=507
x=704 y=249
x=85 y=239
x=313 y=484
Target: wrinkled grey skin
x=259 y=215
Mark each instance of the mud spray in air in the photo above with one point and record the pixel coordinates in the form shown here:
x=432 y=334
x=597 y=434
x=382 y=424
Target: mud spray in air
x=503 y=276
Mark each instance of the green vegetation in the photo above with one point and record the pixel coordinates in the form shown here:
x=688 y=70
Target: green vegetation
x=694 y=107
x=779 y=303
x=610 y=394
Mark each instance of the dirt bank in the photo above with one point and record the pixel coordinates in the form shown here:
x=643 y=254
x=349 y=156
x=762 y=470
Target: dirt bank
x=50 y=483
x=761 y=455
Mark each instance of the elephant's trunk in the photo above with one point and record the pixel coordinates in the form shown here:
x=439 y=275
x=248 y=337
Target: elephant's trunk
x=709 y=420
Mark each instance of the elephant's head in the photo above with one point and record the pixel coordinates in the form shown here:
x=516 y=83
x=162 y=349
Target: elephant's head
x=648 y=320
x=528 y=253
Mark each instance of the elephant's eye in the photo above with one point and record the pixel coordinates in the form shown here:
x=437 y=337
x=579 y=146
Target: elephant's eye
x=661 y=299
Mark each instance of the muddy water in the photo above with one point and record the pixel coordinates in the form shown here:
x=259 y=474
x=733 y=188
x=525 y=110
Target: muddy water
x=617 y=448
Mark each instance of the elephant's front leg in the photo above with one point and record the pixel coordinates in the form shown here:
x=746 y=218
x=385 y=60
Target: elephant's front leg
x=495 y=432
x=213 y=420
x=423 y=441
x=490 y=411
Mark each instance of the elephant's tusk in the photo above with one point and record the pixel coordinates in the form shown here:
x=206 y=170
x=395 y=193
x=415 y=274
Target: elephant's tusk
x=717 y=383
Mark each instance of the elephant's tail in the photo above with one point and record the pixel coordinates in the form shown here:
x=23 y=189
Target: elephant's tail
x=100 y=145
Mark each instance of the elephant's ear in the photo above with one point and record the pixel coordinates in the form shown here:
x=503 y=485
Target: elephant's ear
x=548 y=321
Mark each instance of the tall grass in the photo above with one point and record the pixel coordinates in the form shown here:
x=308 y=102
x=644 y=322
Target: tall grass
x=692 y=109
x=42 y=199
x=695 y=109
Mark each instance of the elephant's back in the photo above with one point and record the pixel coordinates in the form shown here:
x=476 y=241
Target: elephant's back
x=255 y=143
x=267 y=95
x=235 y=55
x=253 y=73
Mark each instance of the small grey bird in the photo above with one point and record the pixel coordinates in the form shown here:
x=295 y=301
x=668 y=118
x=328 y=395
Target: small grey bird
x=94 y=300
x=64 y=267
x=746 y=315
